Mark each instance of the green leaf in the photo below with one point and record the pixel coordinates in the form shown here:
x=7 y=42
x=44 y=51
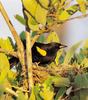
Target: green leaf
x=22 y=36
x=20 y=19
x=71 y=52
x=60 y=93
x=41 y=38
x=81 y=81
x=59 y=81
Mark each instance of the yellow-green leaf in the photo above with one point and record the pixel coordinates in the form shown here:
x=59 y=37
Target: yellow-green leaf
x=6 y=44
x=71 y=52
x=21 y=96
x=4 y=67
x=30 y=5
x=59 y=81
x=36 y=13
x=82 y=5
x=47 y=93
x=66 y=14
x=32 y=96
x=32 y=24
x=53 y=37
x=12 y=74
x=85 y=45
x=84 y=63
x=59 y=53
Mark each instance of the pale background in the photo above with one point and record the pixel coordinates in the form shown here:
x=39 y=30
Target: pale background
x=73 y=31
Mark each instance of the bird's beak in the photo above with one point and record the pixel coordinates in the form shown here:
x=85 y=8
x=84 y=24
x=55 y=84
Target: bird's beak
x=62 y=46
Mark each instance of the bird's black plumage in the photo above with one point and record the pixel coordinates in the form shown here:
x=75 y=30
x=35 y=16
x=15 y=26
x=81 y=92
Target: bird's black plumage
x=50 y=49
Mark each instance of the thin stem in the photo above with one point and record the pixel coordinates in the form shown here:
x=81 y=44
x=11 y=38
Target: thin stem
x=78 y=17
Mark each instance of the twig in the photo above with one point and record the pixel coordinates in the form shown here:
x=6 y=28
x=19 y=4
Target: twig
x=11 y=53
x=29 y=61
x=79 y=89
x=77 y=17
x=19 y=88
x=11 y=92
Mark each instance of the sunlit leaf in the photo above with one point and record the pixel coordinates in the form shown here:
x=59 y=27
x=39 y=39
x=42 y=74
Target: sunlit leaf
x=85 y=45
x=6 y=44
x=59 y=53
x=36 y=92
x=47 y=93
x=71 y=52
x=53 y=37
x=41 y=13
x=12 y=75
x=32 y=96
x=66 y=14
x=4 y=67
x=82 y=5
x=84 y=63
x=21 y=96
x=32 y=24
x=35 y=13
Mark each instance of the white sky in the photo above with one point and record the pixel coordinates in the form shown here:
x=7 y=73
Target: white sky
x=77 y=29
x=12 y=7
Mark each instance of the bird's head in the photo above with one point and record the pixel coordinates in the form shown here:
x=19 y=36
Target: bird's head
x=58 y=45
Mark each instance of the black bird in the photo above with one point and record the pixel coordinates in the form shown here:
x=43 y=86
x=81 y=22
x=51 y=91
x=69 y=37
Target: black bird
x=45 y=53
x=42 y=53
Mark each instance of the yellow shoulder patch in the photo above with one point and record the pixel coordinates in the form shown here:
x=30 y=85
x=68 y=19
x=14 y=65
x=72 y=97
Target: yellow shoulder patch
x=41 y=51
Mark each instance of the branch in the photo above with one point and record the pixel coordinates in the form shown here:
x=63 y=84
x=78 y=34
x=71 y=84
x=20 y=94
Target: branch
x=11 y=53
x=14 y=33
x=29 y=61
